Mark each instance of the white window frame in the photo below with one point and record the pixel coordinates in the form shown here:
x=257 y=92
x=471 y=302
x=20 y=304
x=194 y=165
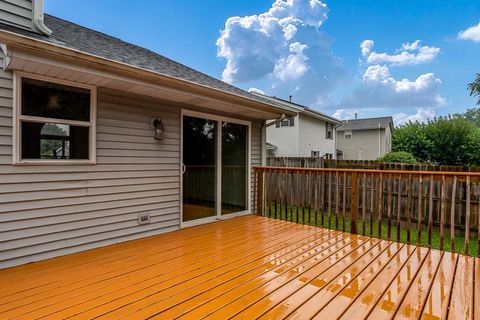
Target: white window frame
x=18 y=118
x=347 y=135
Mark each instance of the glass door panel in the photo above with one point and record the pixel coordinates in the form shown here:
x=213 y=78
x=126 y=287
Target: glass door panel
x=234 y=167
x=199 y=166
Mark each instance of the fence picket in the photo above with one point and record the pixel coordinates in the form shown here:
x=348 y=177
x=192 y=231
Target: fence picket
x=467 y=216
x=420 y=210
x=442 y=211
x=297 y=194
x=452 y=215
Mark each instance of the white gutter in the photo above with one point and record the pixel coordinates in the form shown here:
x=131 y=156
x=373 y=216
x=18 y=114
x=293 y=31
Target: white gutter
x=38 y=18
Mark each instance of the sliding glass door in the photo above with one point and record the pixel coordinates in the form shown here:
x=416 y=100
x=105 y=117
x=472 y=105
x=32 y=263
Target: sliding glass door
x=215 y=166
x=199 y=168
x=234 y=167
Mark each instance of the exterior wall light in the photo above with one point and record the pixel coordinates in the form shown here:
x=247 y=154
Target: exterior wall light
x=159 y=128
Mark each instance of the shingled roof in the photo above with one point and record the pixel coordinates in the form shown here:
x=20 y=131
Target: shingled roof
x=76 y=37
x=366 y=124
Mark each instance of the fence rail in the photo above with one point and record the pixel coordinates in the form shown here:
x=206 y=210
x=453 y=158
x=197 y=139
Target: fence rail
x=432 y=208
x=311 y=162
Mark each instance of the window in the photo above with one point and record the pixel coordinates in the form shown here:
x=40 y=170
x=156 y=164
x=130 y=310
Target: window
x=328 y=156
x=347 y=135
x=329 y=131
x=55 y=121
x=315 y=153
x=287 y=122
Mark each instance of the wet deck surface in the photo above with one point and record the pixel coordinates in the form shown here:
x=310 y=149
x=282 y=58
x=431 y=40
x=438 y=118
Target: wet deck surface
x=248 y=267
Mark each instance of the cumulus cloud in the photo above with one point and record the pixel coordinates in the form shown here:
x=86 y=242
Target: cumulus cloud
x=366 y=47
x=284 y=46
x=472 y=33
x=379 y=88
x=294 y=66
x=344 y=114
x=421 y=115
x=256 y=90
x=409 y=54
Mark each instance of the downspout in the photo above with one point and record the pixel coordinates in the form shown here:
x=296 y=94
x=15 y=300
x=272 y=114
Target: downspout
x=335 y=137
x=38 y=17
x=379 y=140
x=264 y=136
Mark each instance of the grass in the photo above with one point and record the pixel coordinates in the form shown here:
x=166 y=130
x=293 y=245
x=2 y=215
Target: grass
x=459 y=242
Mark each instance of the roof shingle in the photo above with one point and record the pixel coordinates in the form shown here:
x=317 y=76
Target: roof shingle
x=366 y=124
x=76 y=37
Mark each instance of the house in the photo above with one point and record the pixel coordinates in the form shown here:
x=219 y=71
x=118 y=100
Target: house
x=309 y=133
x=365 y=139
x=102 y=141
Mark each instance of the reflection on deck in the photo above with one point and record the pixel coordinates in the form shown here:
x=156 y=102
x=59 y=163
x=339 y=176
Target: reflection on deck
x=247 y=267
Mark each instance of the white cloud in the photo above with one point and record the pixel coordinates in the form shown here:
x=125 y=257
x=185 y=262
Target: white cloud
x=256 y=90
x=283 y=46
x=294 y=66
x=344 y=114
x=472 y=33
x=409 y=54
x=366 y=47
x=422 y=115
x=380 y=89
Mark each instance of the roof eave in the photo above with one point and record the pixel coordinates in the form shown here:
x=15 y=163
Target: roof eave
x=17 y=40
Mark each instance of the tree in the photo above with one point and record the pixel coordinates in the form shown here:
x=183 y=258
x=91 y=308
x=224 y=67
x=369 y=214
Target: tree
x=411 y=138
x=472 y=115
x=453 y=141
x=474 y=88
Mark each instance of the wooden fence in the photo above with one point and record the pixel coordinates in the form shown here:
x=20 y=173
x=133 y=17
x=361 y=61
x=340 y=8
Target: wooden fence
x=310 y=162
x=372 y=202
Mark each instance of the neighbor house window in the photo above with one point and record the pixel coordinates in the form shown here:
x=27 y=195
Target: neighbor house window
x=315 y=153
x=347 y=135
x=329 y=133
x=287 y=122
x=55 y=121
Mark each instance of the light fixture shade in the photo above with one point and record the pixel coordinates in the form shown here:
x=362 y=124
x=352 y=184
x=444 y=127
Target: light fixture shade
x=159 y=129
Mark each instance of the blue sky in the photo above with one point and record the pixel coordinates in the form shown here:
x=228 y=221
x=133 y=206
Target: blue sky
x=311 y=48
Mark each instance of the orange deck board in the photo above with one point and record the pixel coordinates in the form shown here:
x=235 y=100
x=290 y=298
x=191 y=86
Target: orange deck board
x=247 y=267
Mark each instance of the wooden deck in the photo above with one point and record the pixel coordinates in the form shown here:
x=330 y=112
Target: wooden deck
x=248 y=267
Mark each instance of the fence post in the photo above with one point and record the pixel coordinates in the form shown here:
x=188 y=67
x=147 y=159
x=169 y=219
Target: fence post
x=260 y=190
x=354 y=204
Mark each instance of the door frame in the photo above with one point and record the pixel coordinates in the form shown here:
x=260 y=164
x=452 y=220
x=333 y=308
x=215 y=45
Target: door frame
x=218 y=202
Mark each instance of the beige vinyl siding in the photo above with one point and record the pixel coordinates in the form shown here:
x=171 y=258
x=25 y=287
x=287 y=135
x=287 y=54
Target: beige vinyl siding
x=312 y=135
x=256 y=156
x=17 y=12
x=48 y=211
x=365 y=140
x=285 y=139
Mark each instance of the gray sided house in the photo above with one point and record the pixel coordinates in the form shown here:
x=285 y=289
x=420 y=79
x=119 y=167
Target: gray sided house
x=309 y=133
x=365 y=139
x=102 y=141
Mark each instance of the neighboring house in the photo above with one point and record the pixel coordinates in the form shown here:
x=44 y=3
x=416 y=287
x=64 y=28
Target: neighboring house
x=365 y=139
x=307 y=134
x=102 y=141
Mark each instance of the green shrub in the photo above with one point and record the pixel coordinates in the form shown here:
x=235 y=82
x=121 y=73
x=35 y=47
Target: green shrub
x=398 y=157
